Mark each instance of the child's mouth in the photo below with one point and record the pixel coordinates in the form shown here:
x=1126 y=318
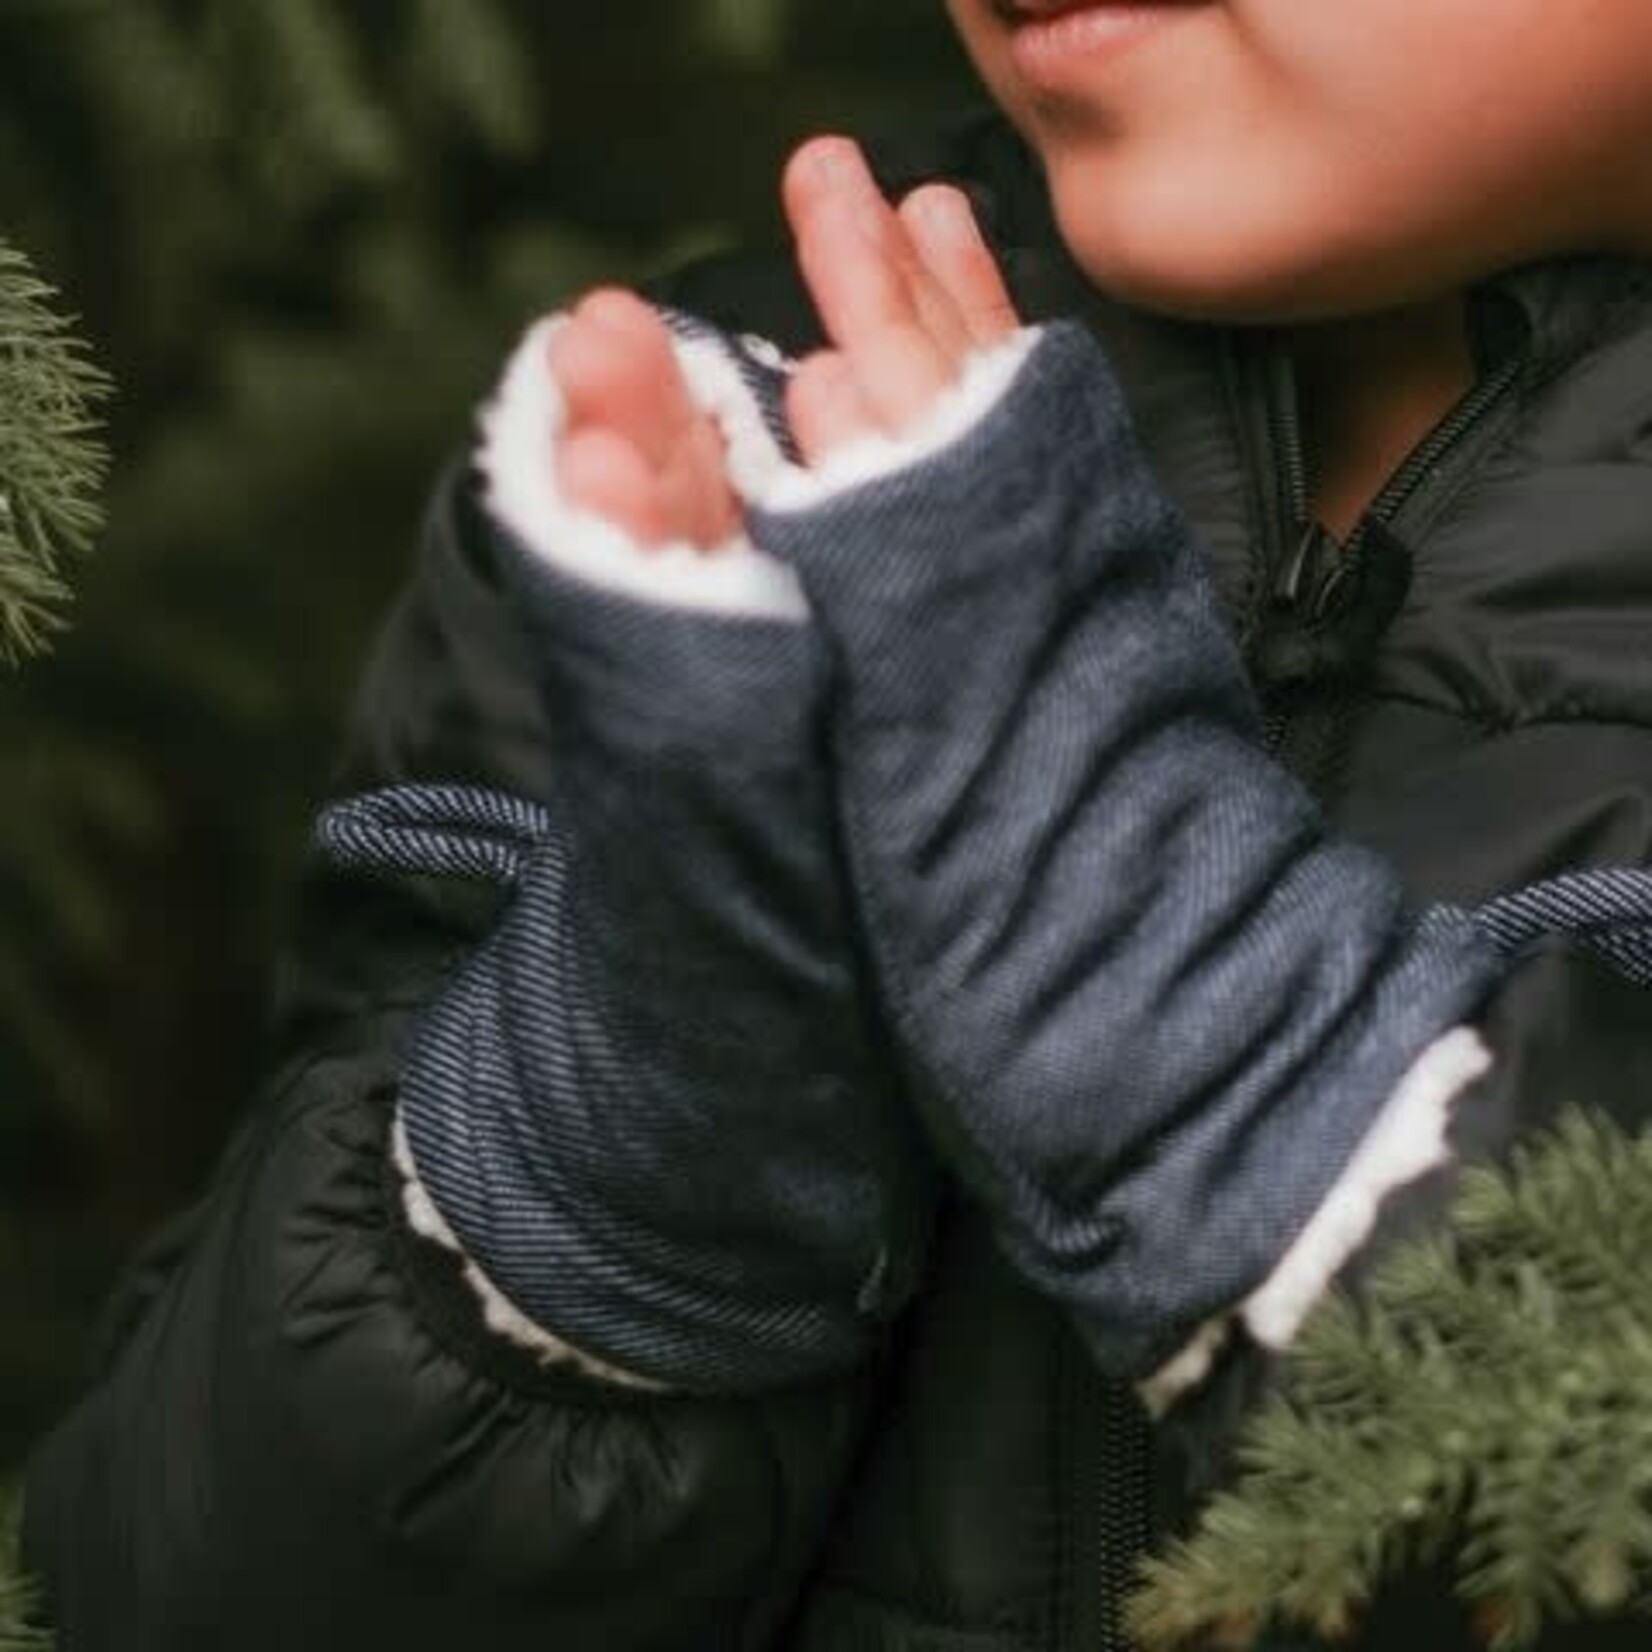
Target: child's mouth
x=1055 y=42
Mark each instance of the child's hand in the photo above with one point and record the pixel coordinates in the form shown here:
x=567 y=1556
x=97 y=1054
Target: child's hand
x=636 y=448
x=904 y=296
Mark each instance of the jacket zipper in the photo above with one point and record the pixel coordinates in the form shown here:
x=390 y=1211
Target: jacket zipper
x=1303 y=566
x=1104 y=1434
x=1107 y=1521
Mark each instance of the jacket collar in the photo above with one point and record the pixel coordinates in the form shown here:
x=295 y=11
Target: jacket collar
x=1568 y=305
x=1202 y=435
x=1556 y=307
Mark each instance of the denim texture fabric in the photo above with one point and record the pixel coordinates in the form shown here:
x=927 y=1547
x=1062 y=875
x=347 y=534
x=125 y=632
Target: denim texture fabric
x=1149 y=1007
x=653 y=1107
x=1607 y=911
x=1146 y=1006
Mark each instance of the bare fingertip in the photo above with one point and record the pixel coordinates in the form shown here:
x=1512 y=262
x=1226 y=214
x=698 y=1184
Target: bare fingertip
x=943 y=212
x=824 y=405
x=613 y=307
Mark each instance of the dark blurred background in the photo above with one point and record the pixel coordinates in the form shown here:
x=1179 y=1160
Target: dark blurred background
x=300 y=234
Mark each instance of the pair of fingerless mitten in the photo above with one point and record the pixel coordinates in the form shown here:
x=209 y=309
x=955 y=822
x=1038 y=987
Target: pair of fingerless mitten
x=925 y=830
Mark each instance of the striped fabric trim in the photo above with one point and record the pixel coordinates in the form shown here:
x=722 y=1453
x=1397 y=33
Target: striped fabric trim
x=452 y=831
x=1608 y=911
x=472 y=832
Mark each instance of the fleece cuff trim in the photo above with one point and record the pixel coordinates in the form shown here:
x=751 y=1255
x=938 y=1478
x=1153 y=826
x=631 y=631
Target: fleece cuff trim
x=501 y=1316
x=520 y=429
x=986 y=379
x=1407 y=1140
x=526 y=417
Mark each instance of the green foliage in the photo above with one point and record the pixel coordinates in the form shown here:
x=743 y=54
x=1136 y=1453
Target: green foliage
x=51 y=465
x=1485 y=1403
x=15 y=1594
x=264 y=206
x=301 y=236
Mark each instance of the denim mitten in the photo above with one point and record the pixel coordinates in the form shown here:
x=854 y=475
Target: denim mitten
x=653 y=1109
x=1150 y=1008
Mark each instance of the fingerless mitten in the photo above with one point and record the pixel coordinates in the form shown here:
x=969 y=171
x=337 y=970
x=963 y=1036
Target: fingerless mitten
x=1151 y=1008
x=653 y=1110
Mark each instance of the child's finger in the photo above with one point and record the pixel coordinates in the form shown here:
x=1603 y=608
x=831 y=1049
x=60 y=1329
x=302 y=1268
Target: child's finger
x=693 y=489
x=873 y=322
x=824 y=405
x=849 y=246
x=942 y=223
x=937 y=311
x=615 y=367
x=685 y=501
x=603 y=472
x=828 y=183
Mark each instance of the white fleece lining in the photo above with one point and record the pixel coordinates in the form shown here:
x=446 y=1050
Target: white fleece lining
x=520 y=428
x=1188 y=1369
x=499 y=1313
x=986 y=378
x=1407 y=1140
x=523 y=421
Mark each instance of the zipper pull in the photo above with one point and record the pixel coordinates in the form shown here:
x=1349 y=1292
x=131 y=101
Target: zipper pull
x=1296 y=646
x=1334 y=604
x=1303 y=573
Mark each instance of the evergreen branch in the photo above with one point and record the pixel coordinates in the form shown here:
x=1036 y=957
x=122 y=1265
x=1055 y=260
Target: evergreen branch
x=468 y=52
x=325 y=125
x=51 y=464
x=1485 y=1402
x=16 y=1595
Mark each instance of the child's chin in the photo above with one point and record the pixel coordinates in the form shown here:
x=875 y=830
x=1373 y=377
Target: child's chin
x=1208 y=261
x=1232 y=282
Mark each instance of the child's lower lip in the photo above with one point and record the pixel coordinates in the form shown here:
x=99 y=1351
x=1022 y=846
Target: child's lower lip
x=1054 y=49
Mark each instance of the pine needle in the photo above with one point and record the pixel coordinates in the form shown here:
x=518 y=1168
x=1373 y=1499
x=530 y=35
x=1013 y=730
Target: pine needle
x=15 y=1594
x=51 y=463
x=1485 y=1403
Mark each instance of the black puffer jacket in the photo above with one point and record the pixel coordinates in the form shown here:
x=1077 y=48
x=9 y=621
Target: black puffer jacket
x=306 y=1436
